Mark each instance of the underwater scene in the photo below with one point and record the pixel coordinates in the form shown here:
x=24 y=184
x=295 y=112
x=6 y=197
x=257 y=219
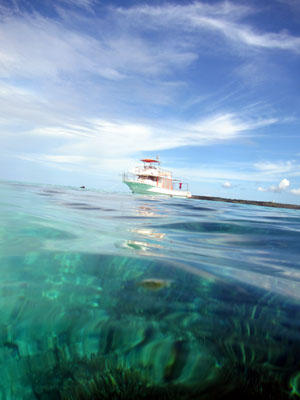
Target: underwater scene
x=120 y=296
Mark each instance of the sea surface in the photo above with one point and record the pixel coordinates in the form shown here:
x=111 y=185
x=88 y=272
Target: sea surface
x=120 y=296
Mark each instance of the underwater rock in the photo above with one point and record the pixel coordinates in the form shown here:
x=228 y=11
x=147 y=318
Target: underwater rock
x=154 y=284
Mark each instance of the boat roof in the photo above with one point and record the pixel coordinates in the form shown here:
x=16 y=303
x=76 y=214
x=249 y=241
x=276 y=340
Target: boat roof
x=149 y=160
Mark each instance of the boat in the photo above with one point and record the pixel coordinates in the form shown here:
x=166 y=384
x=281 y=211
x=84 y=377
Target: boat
x=150 y=179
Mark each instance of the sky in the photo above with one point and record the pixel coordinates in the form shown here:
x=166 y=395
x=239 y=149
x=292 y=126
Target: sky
x=89 y=87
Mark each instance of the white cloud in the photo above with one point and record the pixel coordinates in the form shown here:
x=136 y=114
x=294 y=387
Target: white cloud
x=296 y=191
x=282 y=186
x=226 y=185
x=261 y=189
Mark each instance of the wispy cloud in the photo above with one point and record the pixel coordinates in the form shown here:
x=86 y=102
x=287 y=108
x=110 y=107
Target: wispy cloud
x=86 y=4
x=35 y=46
x=280 y=167
x=205 y=172
x=224 y=18
x=32 y=45
x=296 y=192
x=111 y=145
x=86 y=89
x=293 y=4
x=121 y=137
x=243 y=34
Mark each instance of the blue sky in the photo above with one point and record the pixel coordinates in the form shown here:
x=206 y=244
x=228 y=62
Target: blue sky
x=88 y=87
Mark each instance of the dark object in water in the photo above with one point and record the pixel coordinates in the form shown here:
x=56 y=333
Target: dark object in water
x=82 y=187
x=154 y=283
x=13 y=347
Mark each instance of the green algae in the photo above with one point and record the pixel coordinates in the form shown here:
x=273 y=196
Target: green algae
x=104 y=378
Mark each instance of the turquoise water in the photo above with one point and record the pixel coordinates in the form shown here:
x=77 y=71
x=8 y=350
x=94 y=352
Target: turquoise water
x=108 y=295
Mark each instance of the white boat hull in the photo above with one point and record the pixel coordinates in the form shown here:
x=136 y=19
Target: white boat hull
x=144 y=188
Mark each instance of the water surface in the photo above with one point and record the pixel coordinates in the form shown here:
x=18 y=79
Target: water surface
x=173 y=297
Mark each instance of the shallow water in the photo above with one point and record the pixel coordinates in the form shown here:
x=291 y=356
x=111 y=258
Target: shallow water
x=185 y=293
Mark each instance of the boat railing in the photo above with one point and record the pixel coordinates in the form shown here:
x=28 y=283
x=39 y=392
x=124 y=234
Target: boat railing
x=129 y=176
x=153 y=171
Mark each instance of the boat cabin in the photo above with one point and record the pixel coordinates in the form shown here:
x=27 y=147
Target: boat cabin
x=151 y=172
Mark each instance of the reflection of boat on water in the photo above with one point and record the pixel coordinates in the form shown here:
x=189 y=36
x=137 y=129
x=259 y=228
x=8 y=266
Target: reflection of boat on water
x=151 y=179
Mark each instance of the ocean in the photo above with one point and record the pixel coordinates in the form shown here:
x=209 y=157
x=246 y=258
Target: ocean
x=120 y=296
